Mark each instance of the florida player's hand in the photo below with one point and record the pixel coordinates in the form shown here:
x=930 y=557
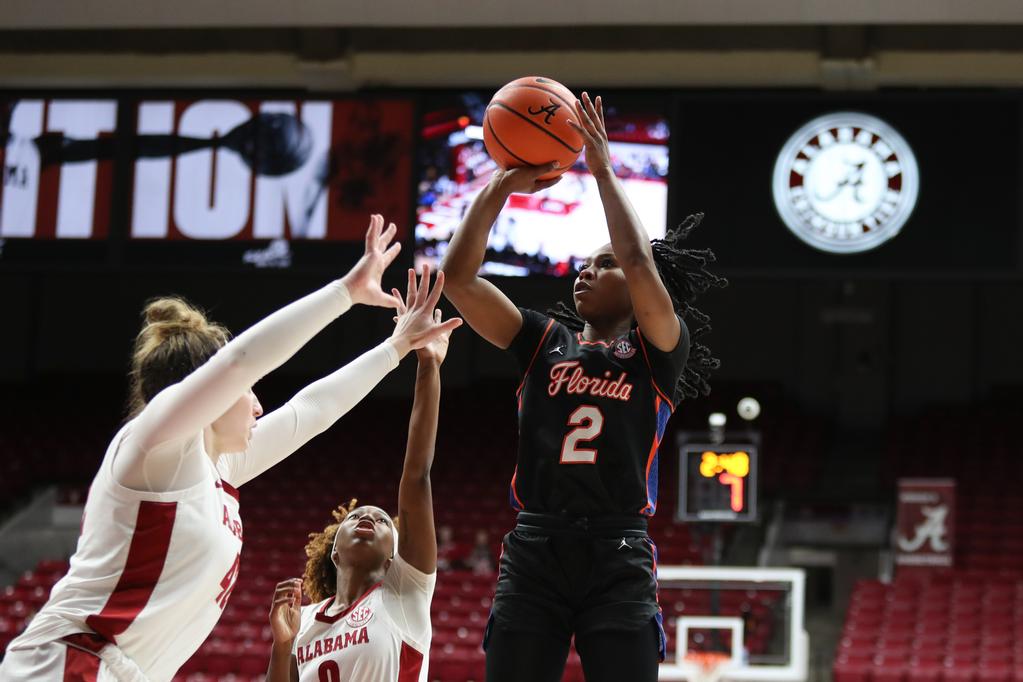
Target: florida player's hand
x=589 y=123
x=435 y=351
x=285 y=612
x=417 y=325
x=524 y=180
x=363 y=280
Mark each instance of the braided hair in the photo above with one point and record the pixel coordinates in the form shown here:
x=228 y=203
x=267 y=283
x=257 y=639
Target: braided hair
x=685 y=275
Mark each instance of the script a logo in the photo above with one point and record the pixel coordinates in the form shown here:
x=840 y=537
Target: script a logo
x=845 y=182
x=550 y=110
x=933 y=530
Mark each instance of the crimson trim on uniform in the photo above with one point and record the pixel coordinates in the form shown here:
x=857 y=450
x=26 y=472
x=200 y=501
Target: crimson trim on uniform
x=147 y=555
x=80 y=666
x=584 y=342
x=322 y=616
x=229 y=489
x=539 y=345
x=86 y=642
x=642 y=345
x=409 y=664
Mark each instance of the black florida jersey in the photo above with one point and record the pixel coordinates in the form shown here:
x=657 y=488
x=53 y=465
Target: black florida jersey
x=591 y=418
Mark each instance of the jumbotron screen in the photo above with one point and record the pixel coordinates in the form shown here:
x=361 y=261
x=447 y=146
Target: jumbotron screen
x=548 y=233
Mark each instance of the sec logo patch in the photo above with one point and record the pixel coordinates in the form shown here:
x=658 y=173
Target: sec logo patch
x=624 y=349
x=359 y=616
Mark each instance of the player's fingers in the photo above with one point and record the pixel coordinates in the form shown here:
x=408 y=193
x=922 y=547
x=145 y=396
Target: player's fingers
x=410 y=289
x=544 y=184
x=450 y=325
x=399 y=305
x=423 y=291
x=391 y=253
x=289 y=581
x=585 y=134
x=591 y=110
x=387 y=235
x=437 y=316
x=600 y=113
x=373 y=231
x=285 y=590
x=438 y=287
x=583 y=117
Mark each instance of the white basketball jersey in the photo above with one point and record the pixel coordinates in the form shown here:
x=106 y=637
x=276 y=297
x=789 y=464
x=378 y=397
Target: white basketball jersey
x=383 y=637
x=152 y=572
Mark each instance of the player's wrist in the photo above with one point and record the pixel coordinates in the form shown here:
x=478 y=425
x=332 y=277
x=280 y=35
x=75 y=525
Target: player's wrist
x=603 y=174
x=499 y=184
x=283 y=647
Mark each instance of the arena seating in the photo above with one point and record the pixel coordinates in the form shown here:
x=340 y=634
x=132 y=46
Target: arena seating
x=960 y=625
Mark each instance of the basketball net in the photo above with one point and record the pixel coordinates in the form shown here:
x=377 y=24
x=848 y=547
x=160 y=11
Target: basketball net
x=709 y=665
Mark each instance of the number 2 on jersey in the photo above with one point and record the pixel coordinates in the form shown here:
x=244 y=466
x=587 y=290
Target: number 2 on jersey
x=588 y=421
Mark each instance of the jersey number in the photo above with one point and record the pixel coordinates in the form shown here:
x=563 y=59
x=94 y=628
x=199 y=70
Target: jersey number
x=588 y=421
x=329 y=672
x=227 y=583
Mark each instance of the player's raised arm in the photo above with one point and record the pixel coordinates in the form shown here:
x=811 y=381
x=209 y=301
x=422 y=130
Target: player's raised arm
x=485 y=307
x=187 y=407
x=417 y=537
x=651 y=302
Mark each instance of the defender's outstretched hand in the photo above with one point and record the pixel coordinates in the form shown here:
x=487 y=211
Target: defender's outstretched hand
x=416 y=325
x=363 y=280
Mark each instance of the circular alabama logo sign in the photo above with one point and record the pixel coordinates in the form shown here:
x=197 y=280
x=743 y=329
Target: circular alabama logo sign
x=845 y=182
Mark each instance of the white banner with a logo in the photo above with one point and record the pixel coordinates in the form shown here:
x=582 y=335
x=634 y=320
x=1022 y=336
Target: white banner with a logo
x=925 y=522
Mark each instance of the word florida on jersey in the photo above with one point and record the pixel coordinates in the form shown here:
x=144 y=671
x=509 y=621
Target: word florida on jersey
x=331 y=644
x=570 y=376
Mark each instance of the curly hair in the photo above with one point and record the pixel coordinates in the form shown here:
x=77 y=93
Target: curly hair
x=685 y=275
x=319 y=580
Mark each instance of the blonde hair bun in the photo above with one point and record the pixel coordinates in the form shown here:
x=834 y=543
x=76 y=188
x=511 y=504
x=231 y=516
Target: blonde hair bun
x=174 y=313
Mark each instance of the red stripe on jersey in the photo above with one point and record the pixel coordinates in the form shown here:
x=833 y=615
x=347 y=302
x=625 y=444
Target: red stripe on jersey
x=147 y=554
x=322 y=616
x=409 y=664
x=229 y=489
x=525 y=374
x=642 y=345
x=80 y=666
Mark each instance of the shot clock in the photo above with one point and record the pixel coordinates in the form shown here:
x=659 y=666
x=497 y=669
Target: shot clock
x=718 y=482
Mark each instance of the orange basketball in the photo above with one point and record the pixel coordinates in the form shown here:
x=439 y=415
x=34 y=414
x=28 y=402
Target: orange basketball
x=526 y=125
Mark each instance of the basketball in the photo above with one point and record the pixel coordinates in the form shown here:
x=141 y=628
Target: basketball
x=526 y=124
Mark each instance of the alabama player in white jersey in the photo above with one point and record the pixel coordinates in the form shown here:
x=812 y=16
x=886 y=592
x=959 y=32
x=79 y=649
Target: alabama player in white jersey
x=370 y=620
x=161 y=538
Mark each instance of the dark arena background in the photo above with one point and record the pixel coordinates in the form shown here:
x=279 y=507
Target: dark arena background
x=846 y=504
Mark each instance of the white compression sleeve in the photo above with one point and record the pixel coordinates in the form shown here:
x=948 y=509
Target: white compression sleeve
x=181 y=411
x=312 y=411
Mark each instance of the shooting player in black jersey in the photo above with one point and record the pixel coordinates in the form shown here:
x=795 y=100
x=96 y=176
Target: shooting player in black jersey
x=598 y=385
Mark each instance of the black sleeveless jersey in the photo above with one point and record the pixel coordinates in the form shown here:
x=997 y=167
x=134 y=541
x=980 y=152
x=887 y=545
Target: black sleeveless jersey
x=591 y=418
